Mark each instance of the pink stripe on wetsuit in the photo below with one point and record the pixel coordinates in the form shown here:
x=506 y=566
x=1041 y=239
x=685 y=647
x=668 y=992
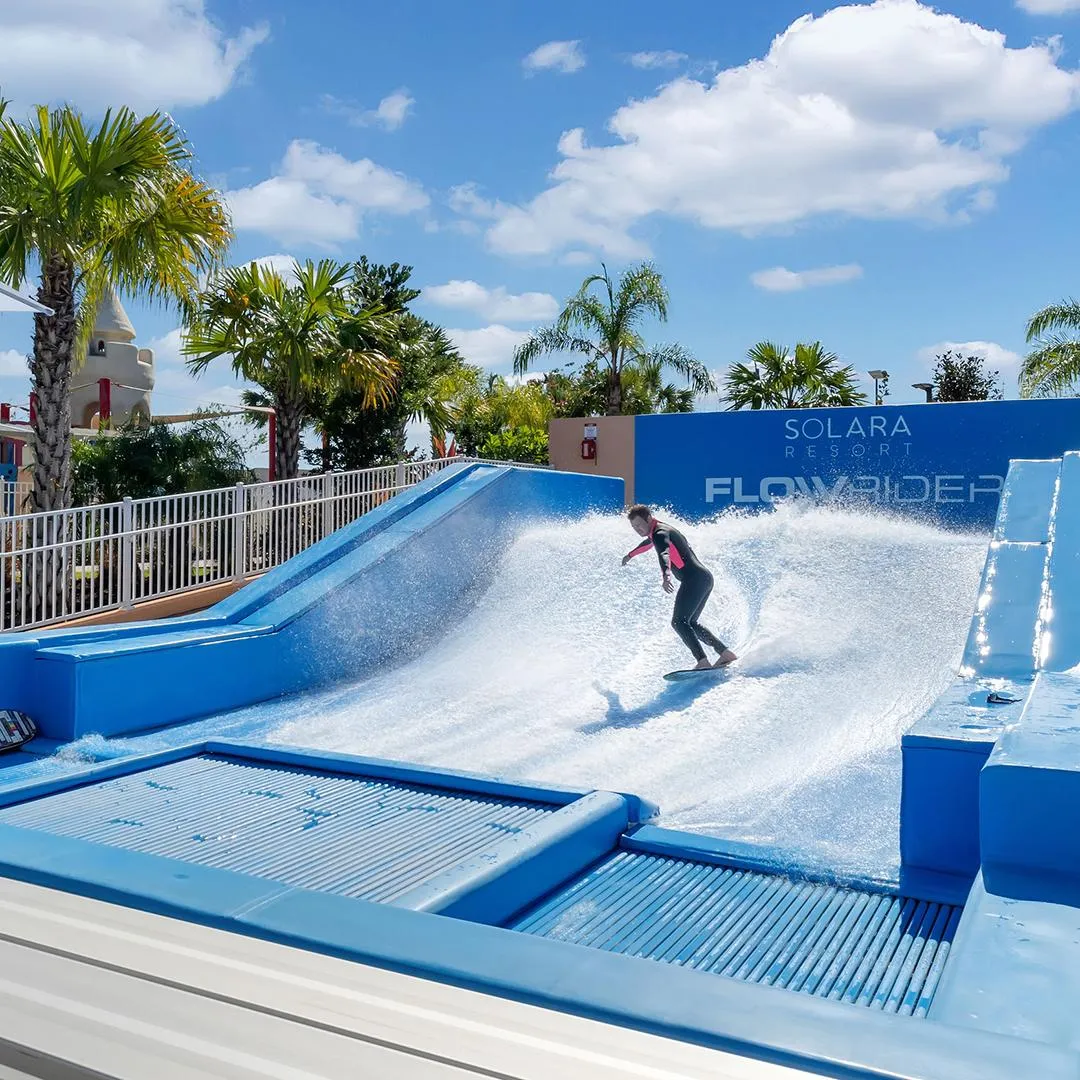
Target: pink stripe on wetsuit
x=672 y=552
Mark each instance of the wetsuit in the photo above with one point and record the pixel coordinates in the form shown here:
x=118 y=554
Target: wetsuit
x=695 y=585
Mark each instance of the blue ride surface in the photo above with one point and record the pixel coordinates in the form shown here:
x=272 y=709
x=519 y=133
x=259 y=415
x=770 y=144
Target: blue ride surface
x=964 y=966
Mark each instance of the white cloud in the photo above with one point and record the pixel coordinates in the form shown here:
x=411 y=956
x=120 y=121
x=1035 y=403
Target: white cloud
x=149 y=54
x=495 y=304
x=577 y=258
x=666 y=58
x=492 y=347
x=566 y=57
x=466 y=199
x=780 y=279
x=320 y=197
x=880 y=110
x=13 y=364
x=1048 y=7
x=176 y=390
x=391 y=112
x=393 y=109
x=997 y=356
x=283 y=264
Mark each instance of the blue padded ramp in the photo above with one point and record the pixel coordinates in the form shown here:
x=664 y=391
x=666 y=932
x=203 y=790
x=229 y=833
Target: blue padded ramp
x=1061 y=644
x=944 y=752
x=845 y=944
x=1027 y=501
x=349 y=835
x=222 y=826
x=317 y=619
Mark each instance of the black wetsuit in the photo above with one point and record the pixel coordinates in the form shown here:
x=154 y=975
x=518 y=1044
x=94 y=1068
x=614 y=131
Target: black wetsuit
x=695 y=585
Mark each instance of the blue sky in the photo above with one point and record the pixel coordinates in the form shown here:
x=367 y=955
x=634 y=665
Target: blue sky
x=884 y=177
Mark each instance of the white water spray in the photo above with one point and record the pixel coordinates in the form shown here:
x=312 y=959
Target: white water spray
x=848 y=626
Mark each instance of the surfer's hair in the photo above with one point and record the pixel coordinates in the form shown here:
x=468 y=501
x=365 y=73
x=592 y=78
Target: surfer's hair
x=639 y=510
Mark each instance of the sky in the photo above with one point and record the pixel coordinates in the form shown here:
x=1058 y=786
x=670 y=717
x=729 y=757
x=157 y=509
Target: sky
x=889 y=178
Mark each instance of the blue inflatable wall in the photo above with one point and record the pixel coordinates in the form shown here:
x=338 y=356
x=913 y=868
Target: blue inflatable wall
x=946 y=462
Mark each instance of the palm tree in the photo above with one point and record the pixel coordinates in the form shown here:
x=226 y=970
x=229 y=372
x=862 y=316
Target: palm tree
x=88 y=210
x=292 y=340
x=643 y=383
x=605 y=328
x=1054 y=365
x=775 y=379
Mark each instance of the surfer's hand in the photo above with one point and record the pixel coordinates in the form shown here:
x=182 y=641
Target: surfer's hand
x=669 y=585
x=625 y=559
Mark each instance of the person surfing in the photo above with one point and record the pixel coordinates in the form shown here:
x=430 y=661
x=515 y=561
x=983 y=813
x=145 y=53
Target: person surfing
x=677 y=559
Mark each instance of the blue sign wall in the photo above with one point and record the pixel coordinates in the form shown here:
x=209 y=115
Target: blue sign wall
x=947 y=462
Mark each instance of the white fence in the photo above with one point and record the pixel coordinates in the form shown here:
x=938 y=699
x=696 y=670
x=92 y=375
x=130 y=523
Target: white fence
x=14 y=497
x=61 y=565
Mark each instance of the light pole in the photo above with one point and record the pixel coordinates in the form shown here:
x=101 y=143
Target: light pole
x=876 y=375
x=926 y=388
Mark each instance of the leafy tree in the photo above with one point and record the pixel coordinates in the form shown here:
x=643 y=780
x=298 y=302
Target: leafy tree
x=295 y=341
x=378 y=285
x=431 y=376
x=88 y=209
x=158 y=459
x=491 y=406
x=525 y=444
x=605 y=329
x=1053 y=366
x=778 y=379
x=962 y=378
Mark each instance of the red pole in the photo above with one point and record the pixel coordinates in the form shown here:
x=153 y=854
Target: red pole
x=104 y=402
x=33 y=408
x=5 y=412
x=273 y=446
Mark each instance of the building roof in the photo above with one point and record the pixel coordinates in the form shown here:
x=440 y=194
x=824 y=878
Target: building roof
x=10 y=300
x=112 y=322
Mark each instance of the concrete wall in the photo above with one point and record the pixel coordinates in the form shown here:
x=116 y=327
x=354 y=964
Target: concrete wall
x=614 y=448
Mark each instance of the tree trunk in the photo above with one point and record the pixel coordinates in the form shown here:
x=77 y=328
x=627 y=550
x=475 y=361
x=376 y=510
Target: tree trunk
x=289 y=421
x=614 y=392
x=50 y=575
x=54 y=346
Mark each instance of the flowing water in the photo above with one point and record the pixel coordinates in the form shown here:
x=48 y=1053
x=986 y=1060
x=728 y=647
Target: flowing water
x=848 y=625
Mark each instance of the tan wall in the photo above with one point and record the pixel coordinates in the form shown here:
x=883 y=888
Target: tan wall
x=614 y=447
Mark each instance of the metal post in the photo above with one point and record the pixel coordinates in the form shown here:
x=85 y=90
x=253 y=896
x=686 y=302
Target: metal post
x=127 y=556
x=104 y=403
x=399 y=477
x=239 y=531
x=327 y=503
x=272 y=471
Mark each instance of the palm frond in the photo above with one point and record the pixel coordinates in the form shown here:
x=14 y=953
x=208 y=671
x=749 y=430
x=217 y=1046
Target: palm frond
x=683 y=362
x=1051 y=369
x=1063 y=316
x=547 y=340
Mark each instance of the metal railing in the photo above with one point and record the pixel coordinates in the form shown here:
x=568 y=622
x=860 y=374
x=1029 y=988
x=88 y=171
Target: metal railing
x=14 y=497
x=61 y=565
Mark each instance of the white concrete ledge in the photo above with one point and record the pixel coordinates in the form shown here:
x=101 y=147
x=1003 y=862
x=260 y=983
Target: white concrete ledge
x=95 y=989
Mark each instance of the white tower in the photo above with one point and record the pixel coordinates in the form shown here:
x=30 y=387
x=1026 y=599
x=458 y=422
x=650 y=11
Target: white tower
x=112 y=356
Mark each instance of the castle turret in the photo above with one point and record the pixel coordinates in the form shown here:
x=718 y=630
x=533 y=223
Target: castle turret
x=113 y=355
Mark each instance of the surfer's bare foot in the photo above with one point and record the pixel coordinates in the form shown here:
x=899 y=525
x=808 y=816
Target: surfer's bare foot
x=725 y=658
x=701 y=665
